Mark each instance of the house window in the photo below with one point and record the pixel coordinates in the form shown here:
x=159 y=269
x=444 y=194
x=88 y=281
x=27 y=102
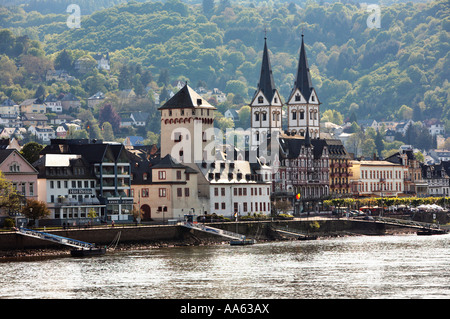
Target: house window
x=222 y=191
x=162 y=174
x=14 y=168
x=145 y=192
x=178 y=174
x=186 y=192
x=216 y=206
x=260 y=99
x=302 y=115
x=144 y=176
x=297 y=97
x=31 y=190
x=257 y=117
x=294 y=115
x=162 y=192
x=245 y=207
x=264 y=116
x=223 y=205
x=179 y=192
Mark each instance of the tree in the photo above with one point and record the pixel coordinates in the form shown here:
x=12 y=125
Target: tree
x=282 y=205
x=152 y=138
x=208 y=7
x=379 y=143
x=35 y=209
x=368 y=147
x=63 y=61
x=30 y=151
x=163 y=77
x=108 y=133
x=108 y=114
x=9 y=199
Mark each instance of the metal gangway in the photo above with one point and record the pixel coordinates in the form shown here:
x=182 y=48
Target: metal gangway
x=55 y=238
x=405 y=222
x=214 y=231
x=290 y=232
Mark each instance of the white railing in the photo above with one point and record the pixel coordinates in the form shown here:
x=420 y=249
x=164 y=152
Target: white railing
x=215 y=231
x=55 y=238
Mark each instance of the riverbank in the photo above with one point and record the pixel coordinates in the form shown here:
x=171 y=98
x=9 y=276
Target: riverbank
x=13 y=245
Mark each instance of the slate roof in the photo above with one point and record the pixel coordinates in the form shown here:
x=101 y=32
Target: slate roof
x=303 y=82
x=186 y=98
x=266 y=83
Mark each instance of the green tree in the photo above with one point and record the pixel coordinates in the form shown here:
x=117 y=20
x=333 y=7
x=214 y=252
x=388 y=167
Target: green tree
x=108 y=133
x=30 y=151
x=9 y=199
x=379 y=143
x=35 y=209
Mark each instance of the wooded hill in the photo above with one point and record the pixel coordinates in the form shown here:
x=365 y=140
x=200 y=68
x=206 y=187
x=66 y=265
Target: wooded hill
x=373 y=72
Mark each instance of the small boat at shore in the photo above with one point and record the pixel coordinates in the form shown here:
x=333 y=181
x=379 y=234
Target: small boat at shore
x=88 y=252
x=242 y=242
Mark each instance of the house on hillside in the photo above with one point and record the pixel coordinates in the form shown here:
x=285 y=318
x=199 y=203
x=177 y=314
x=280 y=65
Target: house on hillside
x=53 y=103
x=33 y=106
x=9 y=108
x=103 y=61
x=34 y=119
x=232 y=114
x=96 y=99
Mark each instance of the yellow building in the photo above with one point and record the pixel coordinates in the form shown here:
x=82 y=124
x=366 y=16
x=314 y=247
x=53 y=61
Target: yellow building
x=377 y=178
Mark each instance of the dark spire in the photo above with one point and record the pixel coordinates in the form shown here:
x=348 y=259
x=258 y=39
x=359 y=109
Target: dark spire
x=303 y=82
x=266 y=83
x=307 y=137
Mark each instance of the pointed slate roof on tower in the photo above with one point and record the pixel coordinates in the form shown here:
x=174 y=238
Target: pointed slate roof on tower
x=307 y=137
x=186 y=98
x=303 y=82
x=266 y=83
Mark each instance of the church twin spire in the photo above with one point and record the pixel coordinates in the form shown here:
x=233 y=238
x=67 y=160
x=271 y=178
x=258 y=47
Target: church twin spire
x=302 y=106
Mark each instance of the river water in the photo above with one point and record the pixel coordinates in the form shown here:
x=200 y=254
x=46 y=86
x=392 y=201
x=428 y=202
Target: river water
x=352 y=267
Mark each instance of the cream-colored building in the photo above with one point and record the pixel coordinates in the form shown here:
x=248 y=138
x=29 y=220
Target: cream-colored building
x=377 y=178
x=188 y=135
x=164 y=191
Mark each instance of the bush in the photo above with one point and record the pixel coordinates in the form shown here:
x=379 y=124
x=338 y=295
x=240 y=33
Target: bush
x=9 y=223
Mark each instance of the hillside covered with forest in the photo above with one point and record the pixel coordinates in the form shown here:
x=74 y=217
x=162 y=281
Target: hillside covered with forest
x=397 y=71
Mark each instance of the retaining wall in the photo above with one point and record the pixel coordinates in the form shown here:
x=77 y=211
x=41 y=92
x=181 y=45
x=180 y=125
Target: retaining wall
x=261 y=230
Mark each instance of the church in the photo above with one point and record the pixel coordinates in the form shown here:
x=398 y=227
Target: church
x=276 y=165
x=300 y=158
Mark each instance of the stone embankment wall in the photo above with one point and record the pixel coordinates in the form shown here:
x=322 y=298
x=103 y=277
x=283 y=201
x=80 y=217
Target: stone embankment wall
x=180 y=235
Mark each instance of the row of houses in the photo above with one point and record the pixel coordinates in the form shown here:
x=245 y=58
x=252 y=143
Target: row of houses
x=76 y=178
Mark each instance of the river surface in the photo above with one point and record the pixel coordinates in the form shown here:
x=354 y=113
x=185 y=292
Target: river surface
x=406 y=266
